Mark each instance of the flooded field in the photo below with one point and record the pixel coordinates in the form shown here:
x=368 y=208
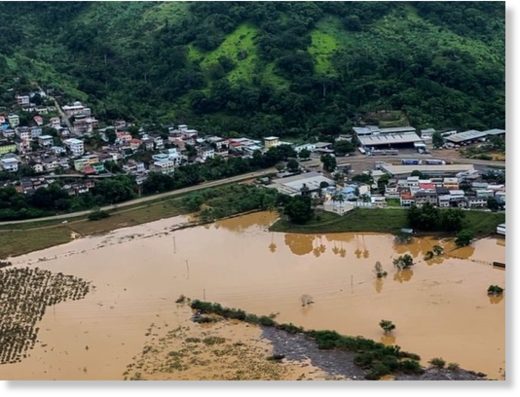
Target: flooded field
x=440 y=307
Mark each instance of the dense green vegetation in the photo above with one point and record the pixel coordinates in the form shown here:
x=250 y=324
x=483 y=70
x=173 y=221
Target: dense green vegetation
x=430 y=218
x=54 y=199
x=230 y=200
x=375 y=358
x=297 y=69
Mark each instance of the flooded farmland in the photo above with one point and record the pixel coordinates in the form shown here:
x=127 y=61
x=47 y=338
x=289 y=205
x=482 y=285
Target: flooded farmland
x=440 y=307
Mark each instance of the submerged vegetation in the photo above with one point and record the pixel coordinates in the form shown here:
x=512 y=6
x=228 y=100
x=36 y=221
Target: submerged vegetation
x=403 y=262
x=387 y=326
x=375 y=358
x=495 y=290
x=25 y=294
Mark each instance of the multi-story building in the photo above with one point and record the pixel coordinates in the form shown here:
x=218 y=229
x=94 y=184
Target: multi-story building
x=75 y=146
x=45 y=140
x=423 y=197
x=9 y=163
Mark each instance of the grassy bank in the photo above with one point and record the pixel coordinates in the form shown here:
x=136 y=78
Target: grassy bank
x=384 y=220
x=214 y=203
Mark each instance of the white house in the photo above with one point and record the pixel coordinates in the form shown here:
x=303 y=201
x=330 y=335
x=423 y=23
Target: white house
x=164 y=166
x=45 y=140
x=9 y=163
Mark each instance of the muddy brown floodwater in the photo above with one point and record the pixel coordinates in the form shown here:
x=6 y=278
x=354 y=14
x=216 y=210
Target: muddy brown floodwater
x=440 y=307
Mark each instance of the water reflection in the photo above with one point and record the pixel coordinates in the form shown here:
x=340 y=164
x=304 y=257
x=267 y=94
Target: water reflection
x=436 y=260
x=378 y=284
x=240 y=223
x=403 y=275
x=417 y=247
x=388 y=339
x=462 y=253
x=494 y=299
x=299 y=244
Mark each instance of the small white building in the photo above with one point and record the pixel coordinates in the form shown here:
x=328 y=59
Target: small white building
x=9 y=164
x=23 y=100
x=45 y=140
x=271 y=141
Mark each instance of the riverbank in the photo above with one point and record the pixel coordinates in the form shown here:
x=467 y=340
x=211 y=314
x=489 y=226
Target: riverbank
x=383 y=220
x=211 y=203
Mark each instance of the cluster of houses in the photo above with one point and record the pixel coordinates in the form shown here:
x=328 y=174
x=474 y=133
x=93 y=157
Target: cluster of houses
x=50 y=139
x=47 y=140
x=444 y=192
x=441 y=185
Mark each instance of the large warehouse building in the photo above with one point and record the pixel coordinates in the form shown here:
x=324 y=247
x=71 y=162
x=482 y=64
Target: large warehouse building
x=372 y=137
x=470 y=136
x=426 y=169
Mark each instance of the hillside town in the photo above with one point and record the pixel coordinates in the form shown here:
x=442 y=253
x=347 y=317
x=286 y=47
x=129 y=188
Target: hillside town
x=41 y=143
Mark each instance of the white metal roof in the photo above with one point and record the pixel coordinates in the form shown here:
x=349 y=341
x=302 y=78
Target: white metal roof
x=466 y=136
x=389 y=139
x=426 y=168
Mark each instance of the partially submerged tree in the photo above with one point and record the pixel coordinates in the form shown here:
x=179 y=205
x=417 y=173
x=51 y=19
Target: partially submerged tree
x=306 y=300
x=438 y=250
x=379 y=271
x=403 y=262
x=464 y=237
x=387 y=326
x=495 y=290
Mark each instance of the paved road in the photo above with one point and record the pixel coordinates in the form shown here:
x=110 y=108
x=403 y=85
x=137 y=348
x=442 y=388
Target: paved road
x=238 y=178
x=369 y=161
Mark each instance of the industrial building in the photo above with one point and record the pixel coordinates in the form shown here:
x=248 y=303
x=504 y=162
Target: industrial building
x=374 y=138
x=426 y=169
x=293 y=185
x=375 y=130
x=470 y=136
x=390 y=140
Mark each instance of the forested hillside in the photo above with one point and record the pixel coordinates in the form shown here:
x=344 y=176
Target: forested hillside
x=257 y=68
